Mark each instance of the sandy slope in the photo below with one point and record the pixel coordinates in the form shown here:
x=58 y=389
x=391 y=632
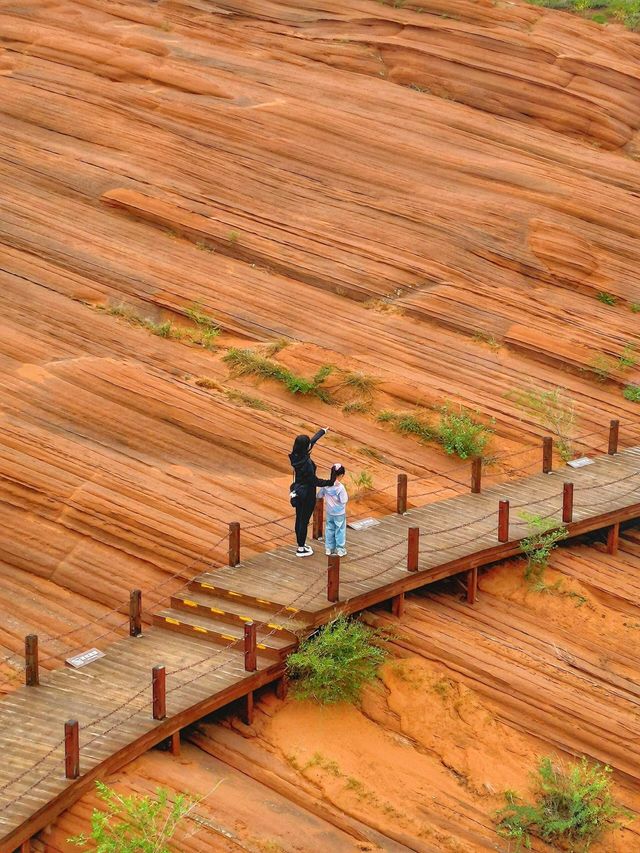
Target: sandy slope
x=467 y=703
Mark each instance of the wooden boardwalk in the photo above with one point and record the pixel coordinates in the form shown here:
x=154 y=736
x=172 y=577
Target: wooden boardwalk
x=200 y=638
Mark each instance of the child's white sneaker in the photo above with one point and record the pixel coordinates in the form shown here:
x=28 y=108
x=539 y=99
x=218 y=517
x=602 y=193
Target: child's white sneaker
x=328 y=553
x=305 y=551
x=341 y=552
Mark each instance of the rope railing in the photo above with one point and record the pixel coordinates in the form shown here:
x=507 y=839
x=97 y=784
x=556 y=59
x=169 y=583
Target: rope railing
x=181 y=573
x=290 y=609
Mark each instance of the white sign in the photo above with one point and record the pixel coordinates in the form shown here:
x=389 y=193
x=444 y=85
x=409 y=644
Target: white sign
x=363 y=524
x=581 y=462
x=83 y=659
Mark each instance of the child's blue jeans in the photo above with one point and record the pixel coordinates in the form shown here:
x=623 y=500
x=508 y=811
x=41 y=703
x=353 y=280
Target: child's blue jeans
x=335 y=533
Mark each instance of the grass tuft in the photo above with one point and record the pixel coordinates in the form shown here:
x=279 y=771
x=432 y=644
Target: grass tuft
x=362 y=483
x=360 y=383
x=632 y=393
x=606 y=298
x=244 y=362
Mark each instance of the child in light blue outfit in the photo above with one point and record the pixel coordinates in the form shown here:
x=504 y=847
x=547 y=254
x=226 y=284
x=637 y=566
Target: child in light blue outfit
x=335 y=511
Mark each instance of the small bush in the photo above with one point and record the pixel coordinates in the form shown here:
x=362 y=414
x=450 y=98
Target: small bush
x=632 y=393
x=336 y=663
x=573 y=807
x=542 y=538
x=606 y=298
x=460 y=434
x=635 y=307
x=133 y=824
x=552 y=409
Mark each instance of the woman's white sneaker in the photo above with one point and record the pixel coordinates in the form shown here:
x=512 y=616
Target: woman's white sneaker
x=306 y=551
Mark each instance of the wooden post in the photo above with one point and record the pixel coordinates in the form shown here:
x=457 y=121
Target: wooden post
x=135 y=613
x=472 y=585
x=248 y=709
x=25 y=847
x=175 y=743
x=250 y=663
x=413 y=549
x=159 y=687
x=401 y=494
x=567 y=502
x=71 y=749
x=333 y=578
x=282 y=687
x=613 y=536
x=31 y=669
x=476 y=475
x=318 y=519
x=547 y=454
x=614 y=431
x=397 y=604
x=503 y=520
x=234 y=543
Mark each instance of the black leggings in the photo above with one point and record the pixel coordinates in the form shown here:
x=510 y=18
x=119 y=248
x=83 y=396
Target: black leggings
x=304 y=511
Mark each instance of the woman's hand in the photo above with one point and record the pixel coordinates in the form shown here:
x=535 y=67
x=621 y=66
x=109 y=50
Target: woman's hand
x=326 y=430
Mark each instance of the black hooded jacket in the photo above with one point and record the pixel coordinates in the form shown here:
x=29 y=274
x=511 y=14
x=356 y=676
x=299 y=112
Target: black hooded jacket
x=305 y=468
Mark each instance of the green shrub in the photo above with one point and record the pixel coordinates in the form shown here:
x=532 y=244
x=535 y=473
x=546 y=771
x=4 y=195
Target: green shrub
x=246 y=362
x=606 y=298
x=133 y=824
x=543 y=535
x=553 y=410
x=461 y=435
x=635 y=307
x=336 y=663
x=573 y=807
x=632 y=393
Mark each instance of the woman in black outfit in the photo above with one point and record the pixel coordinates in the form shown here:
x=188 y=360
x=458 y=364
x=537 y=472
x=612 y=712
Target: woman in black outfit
x=303 y=489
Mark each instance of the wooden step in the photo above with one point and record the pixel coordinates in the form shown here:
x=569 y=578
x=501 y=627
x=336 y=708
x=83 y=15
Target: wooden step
x=209 y=583
x=271 y=645
x=236 y=612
